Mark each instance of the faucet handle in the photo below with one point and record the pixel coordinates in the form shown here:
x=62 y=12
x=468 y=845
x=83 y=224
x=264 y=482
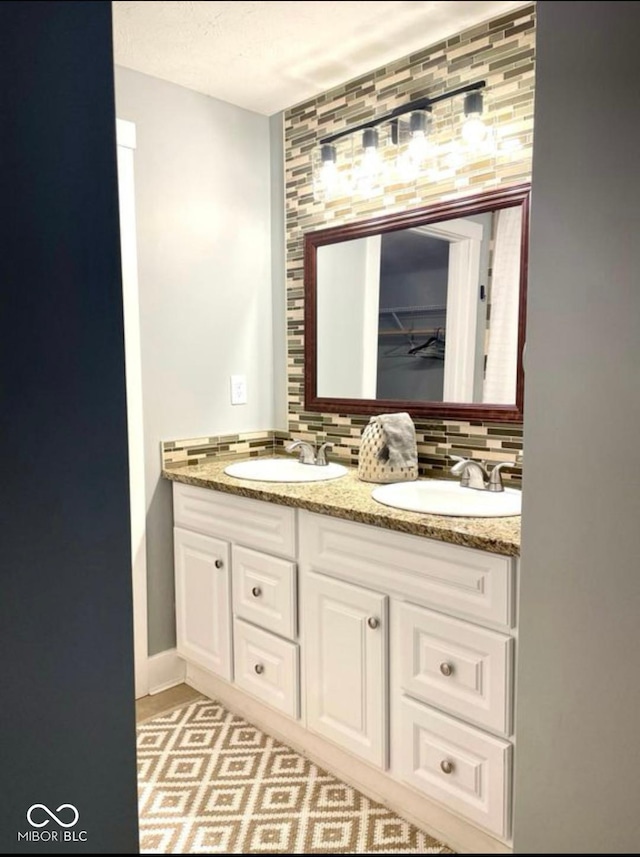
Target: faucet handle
x=458 y=467
x=307 y=451
x=495 y=479
x=321 y=458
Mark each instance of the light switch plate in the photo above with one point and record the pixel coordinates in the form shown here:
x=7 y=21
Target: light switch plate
x=238 y=389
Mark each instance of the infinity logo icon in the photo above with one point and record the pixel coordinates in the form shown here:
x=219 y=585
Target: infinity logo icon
x=52 y=815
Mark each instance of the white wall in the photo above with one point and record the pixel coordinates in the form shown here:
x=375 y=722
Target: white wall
x=577 y=781
x=348 y=288
x=202 y=175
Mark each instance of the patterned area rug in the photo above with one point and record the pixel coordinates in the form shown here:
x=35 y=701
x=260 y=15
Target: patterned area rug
x=211 y=783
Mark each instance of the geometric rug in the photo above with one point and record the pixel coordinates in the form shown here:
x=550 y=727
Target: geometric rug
x=211 y=783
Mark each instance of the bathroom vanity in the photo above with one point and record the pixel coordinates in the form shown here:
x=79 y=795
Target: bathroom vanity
x=378 y=642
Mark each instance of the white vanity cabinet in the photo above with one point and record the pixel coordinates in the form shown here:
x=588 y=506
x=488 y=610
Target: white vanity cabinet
x=450 y=654
x=346 y=651
x=385 y=656
x=236 y=585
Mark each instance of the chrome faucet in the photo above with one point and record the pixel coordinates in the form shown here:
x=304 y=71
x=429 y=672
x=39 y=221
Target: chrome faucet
x=474 y=474
x=321 y=458
x=307 y=451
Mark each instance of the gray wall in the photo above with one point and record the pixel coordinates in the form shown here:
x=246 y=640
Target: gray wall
x=202 y=175
x=67 y=727
x=578 y=701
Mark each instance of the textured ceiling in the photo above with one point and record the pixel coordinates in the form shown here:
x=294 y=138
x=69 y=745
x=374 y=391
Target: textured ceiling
x=267 y=56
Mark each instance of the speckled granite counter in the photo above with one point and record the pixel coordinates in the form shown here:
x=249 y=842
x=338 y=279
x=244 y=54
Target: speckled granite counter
x=350 y=498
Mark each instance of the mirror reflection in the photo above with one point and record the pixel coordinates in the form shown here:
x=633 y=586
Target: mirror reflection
x=422 y=310
x=426 y=313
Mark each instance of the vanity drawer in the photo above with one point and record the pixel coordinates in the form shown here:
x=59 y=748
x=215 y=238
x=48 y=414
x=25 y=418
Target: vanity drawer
x=254 y=523
x=267 y=667
x=462 y=581
x=264 y=590
x=456 y=764
x=457 y=666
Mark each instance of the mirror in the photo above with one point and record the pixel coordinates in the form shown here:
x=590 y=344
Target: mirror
x=422 y=311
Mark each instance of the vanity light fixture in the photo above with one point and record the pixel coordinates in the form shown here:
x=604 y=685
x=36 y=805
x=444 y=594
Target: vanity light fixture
x=402 y=136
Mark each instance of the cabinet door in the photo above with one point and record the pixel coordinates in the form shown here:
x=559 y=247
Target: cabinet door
x=203 y=601
x=345 y=629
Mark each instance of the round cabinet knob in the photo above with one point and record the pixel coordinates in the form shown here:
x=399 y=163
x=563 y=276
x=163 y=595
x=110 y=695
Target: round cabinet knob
x=446 y=766
x=259 y=668
x=256 y=592
x=446 y=669
x=373 y=622
x=219 y=563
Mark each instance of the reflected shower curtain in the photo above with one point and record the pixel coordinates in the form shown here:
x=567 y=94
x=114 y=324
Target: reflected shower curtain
x=500 y=377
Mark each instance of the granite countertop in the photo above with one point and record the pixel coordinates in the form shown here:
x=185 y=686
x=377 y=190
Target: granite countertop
x=350 y=498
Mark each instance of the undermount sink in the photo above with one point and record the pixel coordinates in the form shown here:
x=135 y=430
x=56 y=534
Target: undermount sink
x=283 y=470
x=439 y=497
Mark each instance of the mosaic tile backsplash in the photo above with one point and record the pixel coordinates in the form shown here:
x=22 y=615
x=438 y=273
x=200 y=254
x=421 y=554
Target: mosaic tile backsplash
x=501 y=52
x=177 y=453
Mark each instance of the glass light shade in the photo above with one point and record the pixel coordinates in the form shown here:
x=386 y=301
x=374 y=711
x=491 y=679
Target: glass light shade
x=330 y=172
x=407 y=168
x=419 y=129
x=369 y=170
x=474 y=130
x=329 y=178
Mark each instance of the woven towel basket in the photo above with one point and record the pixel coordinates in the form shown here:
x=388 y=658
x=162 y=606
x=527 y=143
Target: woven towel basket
x=372 y=463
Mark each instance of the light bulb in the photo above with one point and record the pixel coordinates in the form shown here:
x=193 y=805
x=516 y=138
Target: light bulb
x=370 y=157
x=368 y=173
x=418 y=147
x=328 y=175
x=474 y=130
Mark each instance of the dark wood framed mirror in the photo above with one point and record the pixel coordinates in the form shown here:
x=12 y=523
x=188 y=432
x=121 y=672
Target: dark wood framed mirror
x=421 y=311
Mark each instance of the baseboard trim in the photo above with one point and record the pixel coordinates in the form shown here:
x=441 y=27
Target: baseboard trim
x=379 y=786
x=165 y=670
